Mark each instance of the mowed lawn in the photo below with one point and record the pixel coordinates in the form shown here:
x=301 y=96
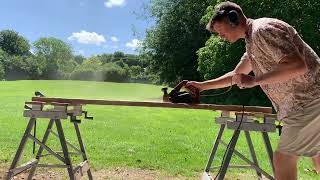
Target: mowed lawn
x=173 y=141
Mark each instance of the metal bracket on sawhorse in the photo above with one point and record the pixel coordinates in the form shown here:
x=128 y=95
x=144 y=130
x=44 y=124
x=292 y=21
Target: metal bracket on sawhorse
x=249 y=123
x=60 y=111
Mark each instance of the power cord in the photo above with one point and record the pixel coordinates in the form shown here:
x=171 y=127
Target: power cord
x=222 y=93
x=228 y=146
x=238 y=128
x=218 y=94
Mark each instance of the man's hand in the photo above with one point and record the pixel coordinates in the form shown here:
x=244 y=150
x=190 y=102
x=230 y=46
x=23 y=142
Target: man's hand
x=244 y=81
x=198 y=85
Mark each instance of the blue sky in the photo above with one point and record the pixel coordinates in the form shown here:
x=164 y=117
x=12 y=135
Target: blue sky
x=89 y=26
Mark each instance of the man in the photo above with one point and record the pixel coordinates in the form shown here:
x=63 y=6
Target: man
x=287 y=70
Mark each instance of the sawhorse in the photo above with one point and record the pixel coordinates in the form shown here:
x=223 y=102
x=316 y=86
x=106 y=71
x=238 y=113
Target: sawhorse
x=35 y=110
x=248 y=124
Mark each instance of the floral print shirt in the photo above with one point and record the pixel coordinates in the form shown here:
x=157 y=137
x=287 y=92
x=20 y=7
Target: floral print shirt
x=268 y=41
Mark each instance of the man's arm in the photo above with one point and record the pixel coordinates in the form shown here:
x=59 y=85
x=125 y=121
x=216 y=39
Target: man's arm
x=289 y=67
x=243 y=67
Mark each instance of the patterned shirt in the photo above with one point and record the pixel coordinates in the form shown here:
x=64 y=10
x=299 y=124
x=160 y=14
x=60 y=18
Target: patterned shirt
x=268 y=41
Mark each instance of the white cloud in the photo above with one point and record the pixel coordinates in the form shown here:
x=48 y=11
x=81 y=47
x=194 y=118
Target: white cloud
x=85 y=37
x=134 y=43
x=111 y=3
x=114 y=39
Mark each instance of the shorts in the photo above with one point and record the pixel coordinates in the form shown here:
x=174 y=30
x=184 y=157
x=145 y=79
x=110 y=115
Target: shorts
x=300 y=134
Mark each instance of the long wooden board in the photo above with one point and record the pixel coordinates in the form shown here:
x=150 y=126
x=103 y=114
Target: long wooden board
x=233 y=108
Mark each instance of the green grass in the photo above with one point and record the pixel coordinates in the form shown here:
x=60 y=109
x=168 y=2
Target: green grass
x=174 y=141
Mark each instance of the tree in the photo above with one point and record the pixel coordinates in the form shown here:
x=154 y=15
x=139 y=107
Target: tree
x=118 y=55
x=173 y=42
x=105 y=58
x=93 y=60
x=14 y=44
x=57 y=54
x=132 y=60
x=79 y=59
x=3 y=57
x=34 y=67
x=2 y=72
x=121 y=63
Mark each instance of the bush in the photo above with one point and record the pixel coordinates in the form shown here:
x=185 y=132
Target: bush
x=86 y=71
x=114 y=73
x=108 y=72
x=83 y=74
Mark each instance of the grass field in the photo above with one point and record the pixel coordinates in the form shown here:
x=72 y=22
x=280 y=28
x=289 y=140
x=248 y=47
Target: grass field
x=173 y=141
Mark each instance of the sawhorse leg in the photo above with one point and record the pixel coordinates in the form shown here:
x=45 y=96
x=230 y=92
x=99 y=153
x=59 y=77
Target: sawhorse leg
x=84 y=155
x=39 y=153
x=252 y=152
x=214 y=148
x=64 y=149
x=20 y=148
x=229 y=153
x=269 y=148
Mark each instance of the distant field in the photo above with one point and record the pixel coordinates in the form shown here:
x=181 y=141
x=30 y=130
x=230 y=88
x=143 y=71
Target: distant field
x=174 y=141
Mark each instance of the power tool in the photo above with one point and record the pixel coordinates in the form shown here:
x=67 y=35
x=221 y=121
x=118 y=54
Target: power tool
x=190 y=96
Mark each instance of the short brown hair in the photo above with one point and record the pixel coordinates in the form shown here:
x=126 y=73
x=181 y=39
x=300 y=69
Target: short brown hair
x=217 y=16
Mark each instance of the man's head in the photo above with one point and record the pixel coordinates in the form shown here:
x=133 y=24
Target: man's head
x=228 y=21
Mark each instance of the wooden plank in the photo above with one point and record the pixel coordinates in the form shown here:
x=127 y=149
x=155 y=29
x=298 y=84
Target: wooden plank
x=34 y=102
x=260 y=115
x=24 y=167
x=232 y=108
x=248 y=126
x=35 y=105
x=45 y=114
x=59 y=104
x=223 y=120
x=76 y=110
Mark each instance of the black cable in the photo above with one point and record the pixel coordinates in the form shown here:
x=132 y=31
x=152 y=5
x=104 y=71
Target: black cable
x=228 y=146
x=34 y=135
x=238 y=128
x=219 y=94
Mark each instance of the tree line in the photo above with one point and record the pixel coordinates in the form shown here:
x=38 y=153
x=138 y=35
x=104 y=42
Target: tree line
x=51 y=58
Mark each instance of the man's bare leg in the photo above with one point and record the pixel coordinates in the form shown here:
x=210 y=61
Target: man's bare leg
x=316 y=162
x=285 y=166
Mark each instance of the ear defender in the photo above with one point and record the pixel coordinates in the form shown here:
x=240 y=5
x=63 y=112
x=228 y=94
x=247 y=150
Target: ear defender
x=233 y=17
